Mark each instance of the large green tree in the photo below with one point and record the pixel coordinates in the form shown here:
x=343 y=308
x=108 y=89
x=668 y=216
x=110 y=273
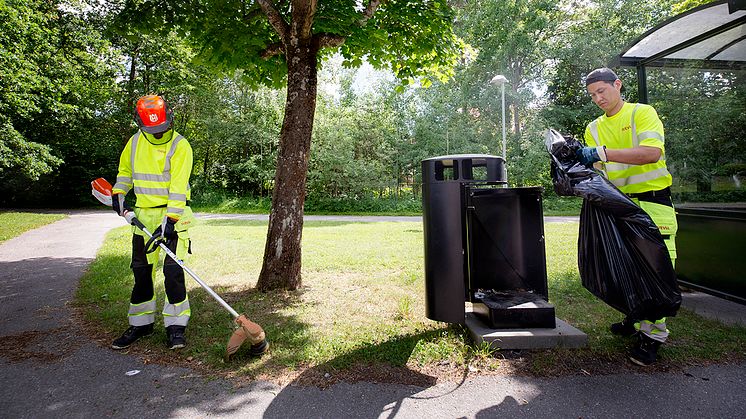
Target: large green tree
x=595 y=32
x=283 y=41
x=56 y=77
x=513 y=38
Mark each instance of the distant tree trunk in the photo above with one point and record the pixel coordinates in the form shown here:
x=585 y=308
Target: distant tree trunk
x=131 y=80
x=282 y=253
x=516 y=113
x=206 y=167
x=704 y=185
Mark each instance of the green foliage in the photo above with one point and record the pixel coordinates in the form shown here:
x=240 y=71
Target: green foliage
x=56 y=75
x=683 y=6
x=595 y=33
x=411 y=38
x=710 y=196
x=561 y=205
x=68 y=80
x=353 y=151
x=22 y=160
x=698 y=144
x=217 y=200
x=234 y=133
x=369 y=205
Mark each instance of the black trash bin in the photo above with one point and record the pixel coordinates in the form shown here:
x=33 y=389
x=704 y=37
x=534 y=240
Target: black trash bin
x=484 y=243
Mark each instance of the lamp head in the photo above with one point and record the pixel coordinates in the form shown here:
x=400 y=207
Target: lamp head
x=499 y=79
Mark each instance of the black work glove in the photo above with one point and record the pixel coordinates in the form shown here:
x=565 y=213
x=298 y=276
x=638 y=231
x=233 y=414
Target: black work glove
x=165 y=232
x=167 y=229
x=117 y=203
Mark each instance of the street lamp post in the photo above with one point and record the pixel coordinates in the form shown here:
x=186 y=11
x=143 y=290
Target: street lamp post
x=501 y=80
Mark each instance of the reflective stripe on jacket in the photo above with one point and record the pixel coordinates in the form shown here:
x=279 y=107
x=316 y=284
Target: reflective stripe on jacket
x=158 y=172
x=644 y=129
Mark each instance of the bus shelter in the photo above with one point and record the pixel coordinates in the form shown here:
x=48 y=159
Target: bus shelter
x=709 y=41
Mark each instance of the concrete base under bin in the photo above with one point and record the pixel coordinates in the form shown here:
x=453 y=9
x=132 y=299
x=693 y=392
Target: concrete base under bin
x=562 y=336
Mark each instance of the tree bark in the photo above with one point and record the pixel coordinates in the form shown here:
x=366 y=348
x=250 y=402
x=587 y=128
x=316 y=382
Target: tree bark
x=516 y=112
x=281 y=268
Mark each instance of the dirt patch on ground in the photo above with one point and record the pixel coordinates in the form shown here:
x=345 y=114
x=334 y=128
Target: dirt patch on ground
x=527 y=363
x=39 y=346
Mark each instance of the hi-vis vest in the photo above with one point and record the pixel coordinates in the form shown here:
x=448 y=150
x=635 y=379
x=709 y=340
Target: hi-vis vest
x=634 y=125
x=159 y=173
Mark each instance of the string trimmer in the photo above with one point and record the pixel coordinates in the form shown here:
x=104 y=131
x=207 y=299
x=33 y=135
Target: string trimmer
x=101 y=189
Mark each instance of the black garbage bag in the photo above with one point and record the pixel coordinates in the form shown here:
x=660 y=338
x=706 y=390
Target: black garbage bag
x=621 y=254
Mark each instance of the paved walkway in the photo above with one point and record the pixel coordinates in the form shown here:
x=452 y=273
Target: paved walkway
x=48 y=369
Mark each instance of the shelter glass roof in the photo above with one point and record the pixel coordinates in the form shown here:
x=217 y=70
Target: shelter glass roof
x=709 y=33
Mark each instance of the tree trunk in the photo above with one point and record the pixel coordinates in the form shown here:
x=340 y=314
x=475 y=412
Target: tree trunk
x=516 y=114
x=281 y=268
x=206 y=167
x=131 y=80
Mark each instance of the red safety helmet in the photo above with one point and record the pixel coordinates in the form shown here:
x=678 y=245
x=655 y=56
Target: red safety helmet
x=153 y=115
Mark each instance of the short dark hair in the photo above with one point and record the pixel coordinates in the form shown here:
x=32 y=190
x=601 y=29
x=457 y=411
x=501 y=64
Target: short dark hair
x=601 y=74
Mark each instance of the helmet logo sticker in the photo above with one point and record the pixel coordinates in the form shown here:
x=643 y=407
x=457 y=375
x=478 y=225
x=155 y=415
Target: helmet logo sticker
x=153 y=117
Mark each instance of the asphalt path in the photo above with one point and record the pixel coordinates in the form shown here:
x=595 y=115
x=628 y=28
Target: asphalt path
x=49 y=369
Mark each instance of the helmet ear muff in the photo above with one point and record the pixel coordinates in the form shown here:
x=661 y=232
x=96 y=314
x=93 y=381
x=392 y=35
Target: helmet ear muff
x=136 y=117
x=169 y=115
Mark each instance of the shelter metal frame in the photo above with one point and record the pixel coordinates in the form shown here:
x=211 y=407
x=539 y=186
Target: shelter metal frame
x=701 y=46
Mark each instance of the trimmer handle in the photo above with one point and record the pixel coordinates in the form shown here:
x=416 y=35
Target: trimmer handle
x=129 y=215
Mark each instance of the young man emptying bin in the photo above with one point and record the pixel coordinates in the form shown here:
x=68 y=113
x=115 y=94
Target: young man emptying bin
x=627 y=144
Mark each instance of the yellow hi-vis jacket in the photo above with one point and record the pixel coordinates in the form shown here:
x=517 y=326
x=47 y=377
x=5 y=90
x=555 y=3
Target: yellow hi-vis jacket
x=636 y=124
x=159 y=171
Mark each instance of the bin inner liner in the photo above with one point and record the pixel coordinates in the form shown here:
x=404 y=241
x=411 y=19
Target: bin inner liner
x=622 y=257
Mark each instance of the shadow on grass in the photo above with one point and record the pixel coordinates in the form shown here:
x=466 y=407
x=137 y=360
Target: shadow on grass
x=384 y=362
x=105 y=291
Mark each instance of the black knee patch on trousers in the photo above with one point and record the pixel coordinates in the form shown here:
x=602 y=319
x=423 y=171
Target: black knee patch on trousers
x=143 y=289
x=139 y=258
x=174 y=276
x=174 y=283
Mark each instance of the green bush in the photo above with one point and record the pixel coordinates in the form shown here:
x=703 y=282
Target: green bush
x=711 y=196
x=222 y=202
x=366 y=205
x=562 y=205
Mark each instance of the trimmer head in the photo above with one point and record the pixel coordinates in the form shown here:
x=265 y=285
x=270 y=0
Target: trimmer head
x=247 y=330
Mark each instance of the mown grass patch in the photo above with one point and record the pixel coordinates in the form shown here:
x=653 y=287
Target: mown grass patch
x=362 y=304
x=14 y=224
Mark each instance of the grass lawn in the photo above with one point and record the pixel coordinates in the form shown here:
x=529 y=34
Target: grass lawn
x=360 y=312
x=14 y=224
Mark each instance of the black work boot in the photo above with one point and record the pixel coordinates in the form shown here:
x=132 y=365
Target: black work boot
x=624 y=328
x=132 y=334
x=645 y=351
x=176 y=338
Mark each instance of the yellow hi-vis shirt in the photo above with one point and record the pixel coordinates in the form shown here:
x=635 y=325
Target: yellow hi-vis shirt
x=636 y=124
x=158 y=170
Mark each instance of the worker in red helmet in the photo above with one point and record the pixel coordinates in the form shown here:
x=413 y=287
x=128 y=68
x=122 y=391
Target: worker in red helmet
x=157 y=164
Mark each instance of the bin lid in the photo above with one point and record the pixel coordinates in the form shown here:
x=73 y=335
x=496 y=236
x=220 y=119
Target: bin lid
x=463 y=157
